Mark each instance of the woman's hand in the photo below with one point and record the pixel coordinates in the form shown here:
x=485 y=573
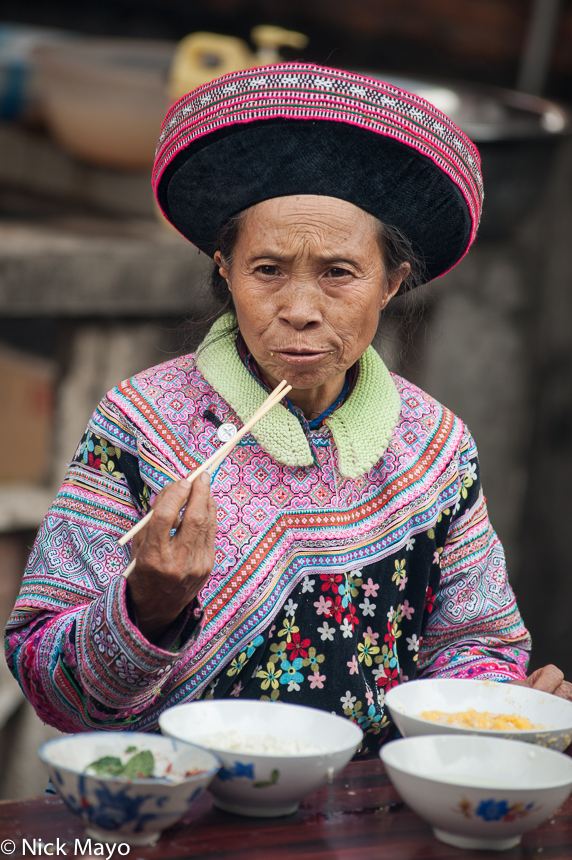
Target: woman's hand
x=170 y=571
x=549 y=679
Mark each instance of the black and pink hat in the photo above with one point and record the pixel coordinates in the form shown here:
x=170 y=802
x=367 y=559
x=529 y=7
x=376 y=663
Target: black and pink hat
x=292 y=129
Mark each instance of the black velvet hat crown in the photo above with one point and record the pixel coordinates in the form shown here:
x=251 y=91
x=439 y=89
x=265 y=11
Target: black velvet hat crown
x=296 y=129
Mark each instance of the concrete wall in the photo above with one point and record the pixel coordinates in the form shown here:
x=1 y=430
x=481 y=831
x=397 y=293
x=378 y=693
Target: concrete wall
x=496 y=348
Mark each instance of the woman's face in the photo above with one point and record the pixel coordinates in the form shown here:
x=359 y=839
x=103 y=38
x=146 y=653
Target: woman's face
x=308 y=283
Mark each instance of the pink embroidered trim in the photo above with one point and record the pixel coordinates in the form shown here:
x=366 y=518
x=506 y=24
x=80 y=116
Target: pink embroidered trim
x=298 y=91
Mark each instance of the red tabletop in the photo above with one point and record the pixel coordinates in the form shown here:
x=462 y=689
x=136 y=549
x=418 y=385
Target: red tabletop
x=358 y=817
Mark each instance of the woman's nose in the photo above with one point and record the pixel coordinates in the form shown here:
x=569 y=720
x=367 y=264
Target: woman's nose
x=301 y=305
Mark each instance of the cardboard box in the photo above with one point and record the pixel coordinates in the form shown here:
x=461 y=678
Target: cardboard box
x=27 y=394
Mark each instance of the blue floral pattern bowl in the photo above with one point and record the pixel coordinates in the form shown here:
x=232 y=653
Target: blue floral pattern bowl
x=134 y=811
x=478 y=792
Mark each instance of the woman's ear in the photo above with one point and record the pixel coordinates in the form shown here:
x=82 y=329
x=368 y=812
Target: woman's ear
x=394 y=282
x=222 y=269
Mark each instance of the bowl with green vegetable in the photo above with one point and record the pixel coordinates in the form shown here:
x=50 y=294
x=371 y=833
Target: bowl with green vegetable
x=128 y=786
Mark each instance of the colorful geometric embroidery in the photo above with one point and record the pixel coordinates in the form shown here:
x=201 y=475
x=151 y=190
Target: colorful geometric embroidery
x=325 y=591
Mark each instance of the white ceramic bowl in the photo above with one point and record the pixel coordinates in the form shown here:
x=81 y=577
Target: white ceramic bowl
x=118 y=810
x=478 y=792
x=105 y=99
x=266 y=785
x=407 y=701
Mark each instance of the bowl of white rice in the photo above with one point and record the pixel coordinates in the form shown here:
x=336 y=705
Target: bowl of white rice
x=272 y=754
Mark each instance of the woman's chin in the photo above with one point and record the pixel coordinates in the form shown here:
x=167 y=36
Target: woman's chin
x=303 y=374
x=304 y=379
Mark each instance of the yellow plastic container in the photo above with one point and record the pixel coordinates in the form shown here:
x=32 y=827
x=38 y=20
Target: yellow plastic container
x=202 y=57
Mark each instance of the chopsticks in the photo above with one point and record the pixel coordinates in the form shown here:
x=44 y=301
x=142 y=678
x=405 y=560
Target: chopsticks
x=214 y=462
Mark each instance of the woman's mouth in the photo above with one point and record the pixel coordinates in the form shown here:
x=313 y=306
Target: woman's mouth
x=300 y=356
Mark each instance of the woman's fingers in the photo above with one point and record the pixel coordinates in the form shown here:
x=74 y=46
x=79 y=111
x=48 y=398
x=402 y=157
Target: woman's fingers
x=171 y=570
x=168 y=504
x=548 y=679
x=198 y=527
x=564 y=690
x=166 y=516
x=195 y=532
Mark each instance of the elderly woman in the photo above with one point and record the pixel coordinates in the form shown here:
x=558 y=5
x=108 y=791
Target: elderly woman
x=344 y=546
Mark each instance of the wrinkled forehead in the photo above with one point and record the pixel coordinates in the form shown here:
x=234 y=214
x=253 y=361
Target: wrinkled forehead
x=308 y=219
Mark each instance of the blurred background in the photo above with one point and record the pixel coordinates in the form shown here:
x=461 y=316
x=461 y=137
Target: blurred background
x=93 y=287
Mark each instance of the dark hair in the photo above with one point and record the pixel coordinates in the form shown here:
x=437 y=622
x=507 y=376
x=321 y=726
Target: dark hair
x=396 y=250
x=225 y=244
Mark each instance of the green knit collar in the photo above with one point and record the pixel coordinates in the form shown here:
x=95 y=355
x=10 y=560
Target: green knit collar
x=361 y=427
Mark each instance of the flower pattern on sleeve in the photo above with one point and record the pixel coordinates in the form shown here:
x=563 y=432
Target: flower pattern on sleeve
x=98 y=453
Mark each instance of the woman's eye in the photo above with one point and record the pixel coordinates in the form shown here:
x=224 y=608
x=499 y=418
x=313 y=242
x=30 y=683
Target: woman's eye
x=268 y=271
x=337 y=272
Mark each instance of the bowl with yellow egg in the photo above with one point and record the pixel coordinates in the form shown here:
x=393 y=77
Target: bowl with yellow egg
x=463 y=706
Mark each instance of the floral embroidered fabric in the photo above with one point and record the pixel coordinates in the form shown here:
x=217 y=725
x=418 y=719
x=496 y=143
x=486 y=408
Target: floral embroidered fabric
x=342 y=640
x=326 y=590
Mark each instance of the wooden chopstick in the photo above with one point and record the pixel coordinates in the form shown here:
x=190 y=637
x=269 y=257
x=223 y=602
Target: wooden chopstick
x=213 y=462
x=129 y=567
x=220 y=455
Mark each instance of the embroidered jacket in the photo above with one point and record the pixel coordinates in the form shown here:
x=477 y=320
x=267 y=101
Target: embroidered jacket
x=348 y=559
